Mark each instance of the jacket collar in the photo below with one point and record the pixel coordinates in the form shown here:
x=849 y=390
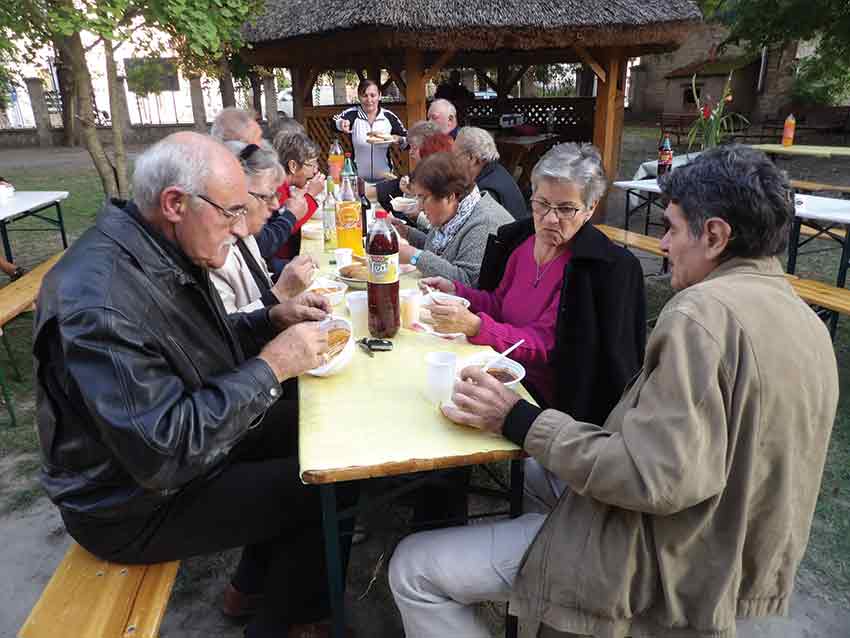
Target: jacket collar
x=765 y=266
x=488 y=168
x=588 y=243
x=122 y=222
x=378 y=116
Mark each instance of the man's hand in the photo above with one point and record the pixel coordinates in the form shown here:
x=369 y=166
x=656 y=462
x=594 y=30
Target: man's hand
x=296 y=276
x=437 y=283
x=297 y=203
x=453 y=317
x=296 y=350
x=316 y=184
x=307 y=306
x=481 y=401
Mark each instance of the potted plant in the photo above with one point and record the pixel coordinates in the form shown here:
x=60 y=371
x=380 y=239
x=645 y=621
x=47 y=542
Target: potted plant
x=713 y=124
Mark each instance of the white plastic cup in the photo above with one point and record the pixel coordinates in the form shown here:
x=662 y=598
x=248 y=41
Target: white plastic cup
x=342 y=257
x=358 y=308
x=440 y=376
x=410 y=300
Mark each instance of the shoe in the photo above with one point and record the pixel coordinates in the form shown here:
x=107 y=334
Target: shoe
x=316 y=630
x=19 y=272
x=238 y=605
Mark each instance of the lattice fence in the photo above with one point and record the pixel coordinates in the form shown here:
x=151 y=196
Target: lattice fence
x=573 y=116
x=320 y=127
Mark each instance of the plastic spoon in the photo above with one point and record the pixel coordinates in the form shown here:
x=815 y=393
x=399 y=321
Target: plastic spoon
x=503 y=355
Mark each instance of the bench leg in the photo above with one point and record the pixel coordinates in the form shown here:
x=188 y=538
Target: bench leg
x=7 y=397
x=12 y=362
x=61 y=225
x=7 y=247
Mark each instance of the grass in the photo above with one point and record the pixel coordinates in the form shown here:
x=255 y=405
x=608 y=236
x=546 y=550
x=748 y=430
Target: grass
x=828 y=555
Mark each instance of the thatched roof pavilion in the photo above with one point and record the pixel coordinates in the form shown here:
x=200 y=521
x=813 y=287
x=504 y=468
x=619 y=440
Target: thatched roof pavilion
x=420 y=37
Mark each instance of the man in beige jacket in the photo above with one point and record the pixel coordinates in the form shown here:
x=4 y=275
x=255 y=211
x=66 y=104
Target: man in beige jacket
x=692 y=504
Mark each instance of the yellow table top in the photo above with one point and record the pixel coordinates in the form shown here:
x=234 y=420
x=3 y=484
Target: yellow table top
x=373 y=419
x=824 y=152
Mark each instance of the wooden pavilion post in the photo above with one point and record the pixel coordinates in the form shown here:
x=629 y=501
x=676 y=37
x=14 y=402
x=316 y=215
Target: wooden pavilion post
x=299 y=76
x=608 y=118
x=415 y=88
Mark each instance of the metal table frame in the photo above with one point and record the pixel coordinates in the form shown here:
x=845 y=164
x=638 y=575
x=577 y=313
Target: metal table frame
x=34 y=212
x=330 y=525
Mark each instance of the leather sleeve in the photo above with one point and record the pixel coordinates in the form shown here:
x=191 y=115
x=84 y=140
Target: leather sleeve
x=134 y=385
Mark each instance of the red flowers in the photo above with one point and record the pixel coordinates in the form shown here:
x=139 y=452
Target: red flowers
x=706 y=112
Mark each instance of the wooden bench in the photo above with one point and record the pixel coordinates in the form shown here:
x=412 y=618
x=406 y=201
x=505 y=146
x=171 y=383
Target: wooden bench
x=16 y=298
x=91 y=598
x=804 y=186
x=631 y=239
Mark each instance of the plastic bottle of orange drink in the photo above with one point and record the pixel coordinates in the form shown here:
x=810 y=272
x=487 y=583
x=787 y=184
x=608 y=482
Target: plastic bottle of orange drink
x=788 y=130
x=349 y=229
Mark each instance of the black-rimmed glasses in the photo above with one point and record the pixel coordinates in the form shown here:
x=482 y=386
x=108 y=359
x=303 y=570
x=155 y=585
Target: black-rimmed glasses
x=541 y=208
x=233 y=215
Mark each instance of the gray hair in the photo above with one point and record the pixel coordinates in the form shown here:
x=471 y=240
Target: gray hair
x=296 y=147
x=444 y=102
x=167 y=163
x=287 y=125
x=262 y=159
x=231 y=123
x=476 y=142
x=580 y=164
x=420 y=131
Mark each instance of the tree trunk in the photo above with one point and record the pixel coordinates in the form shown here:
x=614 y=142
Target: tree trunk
x=270 y=93
x=69 y=98
x=199 y=113
x=88 y=127
x=256 y=94
x=119 y=123
x=225 y=83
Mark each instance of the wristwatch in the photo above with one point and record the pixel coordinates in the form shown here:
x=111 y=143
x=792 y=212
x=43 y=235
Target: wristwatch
x=415 y=257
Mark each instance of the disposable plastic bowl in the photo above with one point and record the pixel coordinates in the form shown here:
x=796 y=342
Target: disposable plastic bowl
x=340 y=361
x=480 y=359
x=338 y=289
x=404 y=204
x=443 y=297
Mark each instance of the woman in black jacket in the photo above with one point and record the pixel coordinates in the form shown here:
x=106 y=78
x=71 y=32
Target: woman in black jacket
x=600 y=330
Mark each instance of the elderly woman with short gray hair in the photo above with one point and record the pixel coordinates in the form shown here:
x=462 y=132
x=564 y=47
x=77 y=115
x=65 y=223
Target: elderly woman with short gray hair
x=558 y=283
x=476 y=148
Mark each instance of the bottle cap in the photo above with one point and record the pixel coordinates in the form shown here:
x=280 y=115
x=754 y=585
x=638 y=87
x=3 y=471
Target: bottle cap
x=348 y=154
x=380 y=214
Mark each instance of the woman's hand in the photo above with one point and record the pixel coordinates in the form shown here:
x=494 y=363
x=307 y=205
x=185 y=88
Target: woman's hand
x=401 y=228
x=404 y=185
x=295 y=278
x=438 y=283
x=296 y=203
x=345 y=126
x=405 y=252
x=453 y=317
x=316 y=184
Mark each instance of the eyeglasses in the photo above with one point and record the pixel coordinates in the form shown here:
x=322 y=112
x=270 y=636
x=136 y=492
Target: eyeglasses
x=541 y=208
x=237 y=212
x=269 y=199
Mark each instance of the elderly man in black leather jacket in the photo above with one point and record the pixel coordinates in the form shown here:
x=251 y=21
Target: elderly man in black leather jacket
x=158 y=414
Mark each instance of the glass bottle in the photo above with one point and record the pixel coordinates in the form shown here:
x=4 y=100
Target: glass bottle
x=329 y=216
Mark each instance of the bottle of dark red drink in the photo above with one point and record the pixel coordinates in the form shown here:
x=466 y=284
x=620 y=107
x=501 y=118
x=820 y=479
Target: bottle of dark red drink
x=382 y=286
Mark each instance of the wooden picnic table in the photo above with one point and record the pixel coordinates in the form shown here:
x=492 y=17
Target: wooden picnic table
x=804 y=150
x=373 y=420
x=25 y=204
x=523 y=151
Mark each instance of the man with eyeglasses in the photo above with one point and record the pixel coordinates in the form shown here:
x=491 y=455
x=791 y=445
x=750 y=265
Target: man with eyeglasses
x=158 y=414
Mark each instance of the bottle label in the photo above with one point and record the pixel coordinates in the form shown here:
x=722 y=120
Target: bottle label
x=665 y=157
x=383 y=269
x=348 y=215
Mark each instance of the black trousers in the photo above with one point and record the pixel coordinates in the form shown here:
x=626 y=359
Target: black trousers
x=255 y=500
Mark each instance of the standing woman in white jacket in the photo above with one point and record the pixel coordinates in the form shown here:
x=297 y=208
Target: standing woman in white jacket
x=373 y=159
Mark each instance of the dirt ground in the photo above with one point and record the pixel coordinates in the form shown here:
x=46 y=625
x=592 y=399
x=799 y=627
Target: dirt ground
x=34 y=539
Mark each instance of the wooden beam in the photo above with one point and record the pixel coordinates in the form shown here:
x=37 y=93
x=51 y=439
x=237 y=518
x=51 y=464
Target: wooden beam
x=297 y=74
x=482 y=76
x=608 y=120
x=415 y=91
x=585 y=57
x=374 y=72
x=395 y=74
x=437 y=66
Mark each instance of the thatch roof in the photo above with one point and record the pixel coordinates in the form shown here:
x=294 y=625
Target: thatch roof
x=480 y=24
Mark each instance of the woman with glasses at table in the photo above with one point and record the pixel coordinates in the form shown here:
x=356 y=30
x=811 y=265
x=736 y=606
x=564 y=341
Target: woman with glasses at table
x=461 y=219
x=243 y=282
x=558 y=283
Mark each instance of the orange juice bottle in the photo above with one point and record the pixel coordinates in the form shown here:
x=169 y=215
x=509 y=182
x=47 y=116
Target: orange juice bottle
x=788 y=130
x=349 y=233
x=335 y=161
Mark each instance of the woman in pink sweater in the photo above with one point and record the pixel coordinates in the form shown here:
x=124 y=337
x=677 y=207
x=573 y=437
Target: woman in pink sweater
x=539 y=282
